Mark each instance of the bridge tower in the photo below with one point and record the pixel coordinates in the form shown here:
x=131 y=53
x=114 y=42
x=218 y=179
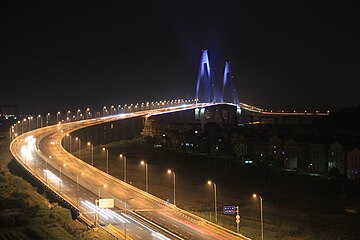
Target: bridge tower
x=229 y=93
x=207 y=89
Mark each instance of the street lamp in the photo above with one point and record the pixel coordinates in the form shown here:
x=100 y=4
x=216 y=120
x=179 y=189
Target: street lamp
x=78 y=139
x=57 y=117
x=107 y=159
x=87 y=113
x=77 y=188
x=124 y=157
x=169 y=171
x=39 y=121
x=146 y=176
x=78 y=114
x=47 y=119
x=29 y=118
x=60 y=180
x=68 y=135
x=22 y=125
x=261 y=214
x=125 y=214
x=46 y=166
x=98 y=207
x=68 y=113
x=215 y=204
x=92 y=153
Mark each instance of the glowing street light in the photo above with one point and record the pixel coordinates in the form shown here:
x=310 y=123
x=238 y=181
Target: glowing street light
x=125 y=213
x=47 y=119
x=77 y=187
x=87 y=113
x=104 y=108
x=30 y=118
x=92 y=153
x=60 y=170
x=39 y=121
x=169 y=171
x=78 y=139
x=124 y=157
x=78 y=112
x=97 y=203
x=215 y=203
x=57 y=117
x=146 y=176
x=68 y=135
x=22 y=125
x=107 y=159
x=68 y=115
x=261 y=214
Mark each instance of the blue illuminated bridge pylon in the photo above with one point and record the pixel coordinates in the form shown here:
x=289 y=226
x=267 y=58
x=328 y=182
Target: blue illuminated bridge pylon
x=208 y=90
x=229 y=93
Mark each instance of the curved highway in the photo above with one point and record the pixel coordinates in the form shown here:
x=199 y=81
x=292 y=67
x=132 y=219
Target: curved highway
x=136 y=215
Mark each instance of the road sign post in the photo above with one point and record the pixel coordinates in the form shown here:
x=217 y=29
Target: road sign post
x=237 y=219
x=228 y=210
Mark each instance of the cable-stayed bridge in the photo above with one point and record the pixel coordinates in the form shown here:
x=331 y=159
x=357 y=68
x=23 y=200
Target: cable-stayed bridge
x=37 y=143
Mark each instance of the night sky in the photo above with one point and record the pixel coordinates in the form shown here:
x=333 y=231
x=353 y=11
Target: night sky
x=301 y=55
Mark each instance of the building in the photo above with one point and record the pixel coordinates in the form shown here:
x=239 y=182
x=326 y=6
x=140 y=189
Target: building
x=317 y=158
x=336 y=157
x=353 y=164
x=275 y=150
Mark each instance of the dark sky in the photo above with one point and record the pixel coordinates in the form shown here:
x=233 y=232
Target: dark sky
x=284 y=54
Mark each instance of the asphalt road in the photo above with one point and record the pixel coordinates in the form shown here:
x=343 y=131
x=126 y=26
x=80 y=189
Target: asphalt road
x=137 y=214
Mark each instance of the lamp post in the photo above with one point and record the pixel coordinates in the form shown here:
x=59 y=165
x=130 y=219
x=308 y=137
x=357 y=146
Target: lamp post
x=87 y=113
x=22 y=125
x=77 y=188
x=125 y=213
x=39 y=121
x=174 y=183
x=57 y=117
x=98 y=209
x=46 y=166
x=47 y=119
x=78 y=139
x=68 y=135
x=215 y=203
x=107 y=159
x=261 y=214
x=29 y=118
x=78 y=114
x=146 y=176
x=124 y=157
x=60 y=176
x=68 y=113
x=92 y=153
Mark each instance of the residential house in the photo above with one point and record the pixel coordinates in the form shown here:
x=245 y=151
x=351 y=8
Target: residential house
x=353 y=164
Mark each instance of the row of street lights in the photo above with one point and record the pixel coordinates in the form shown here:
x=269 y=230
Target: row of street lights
x=169 y=171
x=92 y=153
x=215 y=195
x=16 y=130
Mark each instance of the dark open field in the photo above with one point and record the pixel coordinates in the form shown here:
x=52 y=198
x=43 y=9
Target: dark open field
x=295 y=206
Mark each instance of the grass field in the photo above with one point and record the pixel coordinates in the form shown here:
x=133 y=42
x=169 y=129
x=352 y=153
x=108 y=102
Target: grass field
x=25 y=214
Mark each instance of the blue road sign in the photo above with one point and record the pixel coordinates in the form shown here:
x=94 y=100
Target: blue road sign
x=229 y=210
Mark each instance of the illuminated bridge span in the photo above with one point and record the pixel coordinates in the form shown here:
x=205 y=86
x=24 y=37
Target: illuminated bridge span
x=136 y=213
x=36 y=143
